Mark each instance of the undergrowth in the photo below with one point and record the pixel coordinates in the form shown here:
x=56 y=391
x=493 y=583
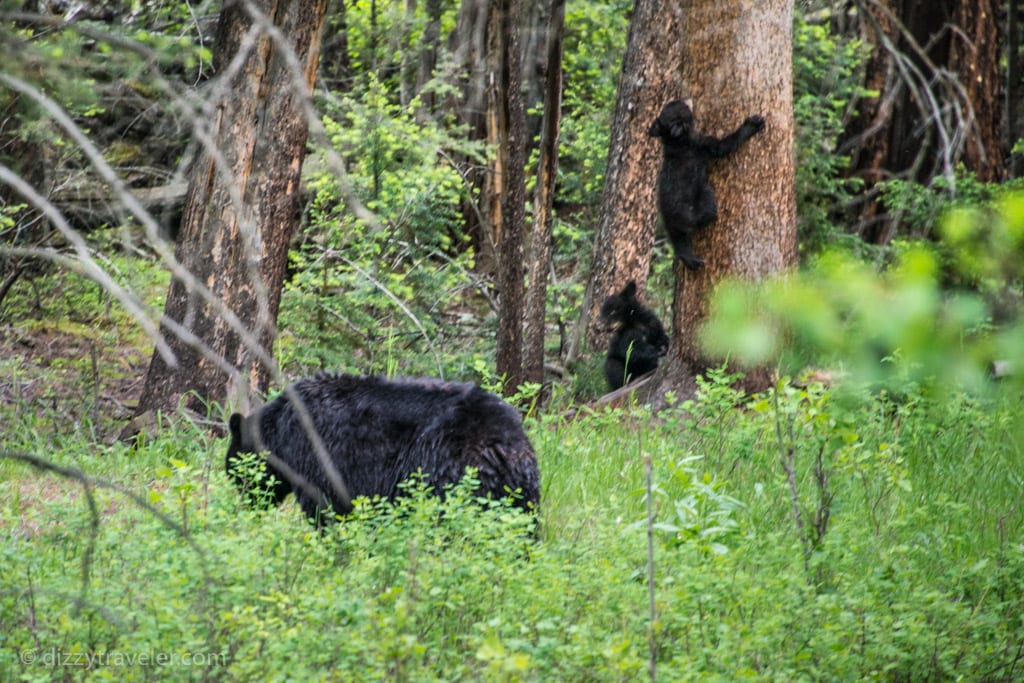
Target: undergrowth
x=908 y=563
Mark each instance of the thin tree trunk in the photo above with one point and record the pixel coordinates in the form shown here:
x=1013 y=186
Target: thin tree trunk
x=335 y=70
x=428 y=58
x=408 y=65
x=738 y=61
x=242 y=207
x=547 y=170
x=629 y=216
x=868 y=149
x=472 y=46
x=510 y=117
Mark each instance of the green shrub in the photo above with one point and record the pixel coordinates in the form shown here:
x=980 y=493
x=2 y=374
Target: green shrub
x=826 y=69
x=918 y=571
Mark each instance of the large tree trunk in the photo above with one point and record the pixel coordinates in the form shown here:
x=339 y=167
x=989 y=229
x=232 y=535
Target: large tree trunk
x=629 y=216
x=510 y=135
x=974 y=57
x=935 y=67
x=1013 y=85
x=242 y=207
x=543 y=200
x=737 y=62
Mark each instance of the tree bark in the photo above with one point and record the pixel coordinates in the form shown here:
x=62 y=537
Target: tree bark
x=974 y=57
x=1012 y=93
x=629 y=216
x=428 y=55
x=510 y=134
x=472 y=46
x=547 y=170
x=935 y=67
x=242 y=207
x=737 y=62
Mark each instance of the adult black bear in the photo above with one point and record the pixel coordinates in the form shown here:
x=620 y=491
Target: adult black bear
x=638 y=338
x=685 y=199
x=377 y=433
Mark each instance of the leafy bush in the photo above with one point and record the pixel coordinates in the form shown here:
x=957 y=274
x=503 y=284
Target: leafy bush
x=920 y=208
x=899 y=327
x=366 y=292
x=594 y=43
x=918 y=572
x=826 y=68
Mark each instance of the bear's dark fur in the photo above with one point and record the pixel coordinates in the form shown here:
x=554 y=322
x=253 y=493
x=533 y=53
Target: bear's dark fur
x=685 y=198
x=377 y=433
x=638 y=338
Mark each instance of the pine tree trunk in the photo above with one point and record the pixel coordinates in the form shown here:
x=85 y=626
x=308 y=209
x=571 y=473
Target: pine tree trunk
x=737 y=61
x=510 y=133
x=629 y=215
x=241 y=210
x=975 y=57
x=547 y=170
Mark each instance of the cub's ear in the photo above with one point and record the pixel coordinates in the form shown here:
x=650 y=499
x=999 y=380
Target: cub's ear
x=629 y=290
x=656 y=130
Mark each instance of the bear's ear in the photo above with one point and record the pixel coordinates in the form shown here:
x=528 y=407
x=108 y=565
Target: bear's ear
x=246 y=435
x=235 y=427
x=656 y=130
x=629 y=291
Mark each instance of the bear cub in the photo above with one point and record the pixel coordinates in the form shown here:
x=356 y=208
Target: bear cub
x=685 y=198
x=376 y=433
x=638 y=338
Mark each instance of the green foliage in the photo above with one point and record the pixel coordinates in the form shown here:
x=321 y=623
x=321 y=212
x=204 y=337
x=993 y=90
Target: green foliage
x=594 y=42
x=100 y=74
x=402 y=169
x=918 y=573
x=897 y=327
x=368 y=294
x=826 y=72
x=808 y=533
x=920 y=208
x=986 y=243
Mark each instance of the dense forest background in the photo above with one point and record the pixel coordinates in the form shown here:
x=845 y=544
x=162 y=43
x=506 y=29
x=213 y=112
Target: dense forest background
x=203 y=201
x=428 y=188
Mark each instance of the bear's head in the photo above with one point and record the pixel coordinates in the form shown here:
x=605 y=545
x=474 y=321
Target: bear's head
x=624 y=310
x=254 y=477
x=674 y=122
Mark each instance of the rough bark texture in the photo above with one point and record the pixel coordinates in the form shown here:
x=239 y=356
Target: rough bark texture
x=1013 y=85
x=935 y=65
x=736 y=62
x=629 y=215
x=974 y=56
x=510 y=133
x=547 y=170
x=242 y=207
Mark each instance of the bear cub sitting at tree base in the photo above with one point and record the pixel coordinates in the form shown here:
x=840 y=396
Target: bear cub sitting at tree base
x=377 y=433
x=685 y=198
x=638 y=339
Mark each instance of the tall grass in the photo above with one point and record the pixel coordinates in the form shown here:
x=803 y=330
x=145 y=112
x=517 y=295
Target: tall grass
x=918 y=572
x=808 y=533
